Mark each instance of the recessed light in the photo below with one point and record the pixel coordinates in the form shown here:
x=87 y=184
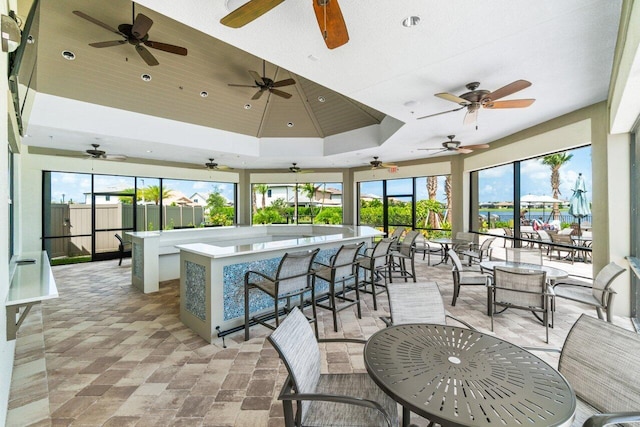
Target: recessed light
x=68 y=55
x=247 y=106
x=321 y=98
x=146 y=77
x=290 y=124
x=411 y=21
x=31 y=39
x=204 y=94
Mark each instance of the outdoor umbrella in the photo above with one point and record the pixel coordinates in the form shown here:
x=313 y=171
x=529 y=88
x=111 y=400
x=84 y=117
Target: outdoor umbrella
x=578 y=204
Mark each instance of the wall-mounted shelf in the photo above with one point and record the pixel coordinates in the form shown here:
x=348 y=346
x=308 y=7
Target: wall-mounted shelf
x=31 y=282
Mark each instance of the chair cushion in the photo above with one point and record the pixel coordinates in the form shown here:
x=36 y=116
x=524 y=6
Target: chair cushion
x=340 y=414
x=576 y=293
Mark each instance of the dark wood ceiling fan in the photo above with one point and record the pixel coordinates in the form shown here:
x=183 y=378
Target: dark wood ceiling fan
x=136 y=34
x=265 y=84
x=328 y=14
x=456 y=146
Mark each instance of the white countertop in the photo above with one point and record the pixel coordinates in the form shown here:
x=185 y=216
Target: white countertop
x=227 y=249
x=32 y=282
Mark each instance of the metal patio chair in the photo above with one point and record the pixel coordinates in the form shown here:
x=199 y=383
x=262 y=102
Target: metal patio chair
x=325 y=399
x=597 y=294
x=376 y=263
x=342 y=276
x=293 y=278
x=465 y=275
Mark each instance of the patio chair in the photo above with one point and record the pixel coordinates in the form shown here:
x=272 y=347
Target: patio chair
x=293 y=278
x=376 y=262
x=597 y=294
x=404 y=252
x=423 y=246
x=524 y=255
x=325 y=399
x=600 y=361
x=508 y=234
x=483 y=251
x=463 y=235
x=124 y=248
x=521 y=289
x=465 y=275
x=563 y=243
x=397 y=235
x=342 y=276
x=417 y=303
x=545 y=240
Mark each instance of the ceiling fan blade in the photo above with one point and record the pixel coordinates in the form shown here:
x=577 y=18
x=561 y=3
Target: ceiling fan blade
x=248 y=12
x=475 y=147
x=452 y=98
x=514 y=103
x=388 y=165
x=258 y=94
x=443 y=112
x=286 y=82
x=166 y=47
x=235 y=85
x=463 y=150
x=331 y=22
x=146 y=55
x=141 y=26
x=114 y=157
x=108 y=44
x=470 y=117
x=508 y=90
x=256 y=77
x=95 y=21
x=280 y=93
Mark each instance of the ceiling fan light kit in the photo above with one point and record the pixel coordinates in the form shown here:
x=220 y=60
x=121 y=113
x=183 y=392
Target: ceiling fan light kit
x=476 y=99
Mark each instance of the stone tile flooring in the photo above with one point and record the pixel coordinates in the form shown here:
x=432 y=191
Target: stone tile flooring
x=103 y=354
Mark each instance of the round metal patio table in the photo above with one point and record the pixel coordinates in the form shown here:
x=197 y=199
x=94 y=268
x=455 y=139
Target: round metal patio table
x=445 y=242
x=461 y=377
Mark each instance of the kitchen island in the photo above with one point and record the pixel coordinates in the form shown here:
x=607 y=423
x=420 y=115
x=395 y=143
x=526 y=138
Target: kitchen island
x=212 y=272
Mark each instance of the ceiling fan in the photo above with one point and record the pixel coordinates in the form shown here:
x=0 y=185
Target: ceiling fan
x=296 y=169
x=264 y=84
x=480 y=98
x=328 y=15
x=452 y=145
x=96 y=153
x=136 y=34
x=377 y=164
x=211 y=165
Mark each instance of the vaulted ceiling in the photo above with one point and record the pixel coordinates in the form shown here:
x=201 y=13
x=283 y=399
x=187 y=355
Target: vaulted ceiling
x=348 y=104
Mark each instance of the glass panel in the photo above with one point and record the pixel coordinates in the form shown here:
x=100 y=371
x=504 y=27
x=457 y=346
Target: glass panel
x=433 y=205
x=67 y=216
x=400 y=212
x=370 y=206
x=188 y=204
x=400 y=187
x=110 y=184
x=147 y=208
x=304 y=203
x=495 y=199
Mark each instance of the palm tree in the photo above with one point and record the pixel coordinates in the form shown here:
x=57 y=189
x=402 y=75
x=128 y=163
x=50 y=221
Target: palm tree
x=254 y=204
x=309 y=190
x=432 y=190
x=152 y=193
x=262 y=189
x=447 y=193
x=555 y=162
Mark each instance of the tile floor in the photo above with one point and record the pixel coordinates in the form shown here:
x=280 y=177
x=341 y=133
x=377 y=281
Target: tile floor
x=103 y=354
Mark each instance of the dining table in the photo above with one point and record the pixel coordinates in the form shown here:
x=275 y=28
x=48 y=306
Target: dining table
x=461 y=377
x=447 y=243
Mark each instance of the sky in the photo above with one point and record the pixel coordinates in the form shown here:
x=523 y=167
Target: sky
x=496 y=184
x=72 y=186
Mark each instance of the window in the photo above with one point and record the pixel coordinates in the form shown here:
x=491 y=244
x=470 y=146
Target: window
x=181 y=209
x=297 y=203
x=418 y=203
